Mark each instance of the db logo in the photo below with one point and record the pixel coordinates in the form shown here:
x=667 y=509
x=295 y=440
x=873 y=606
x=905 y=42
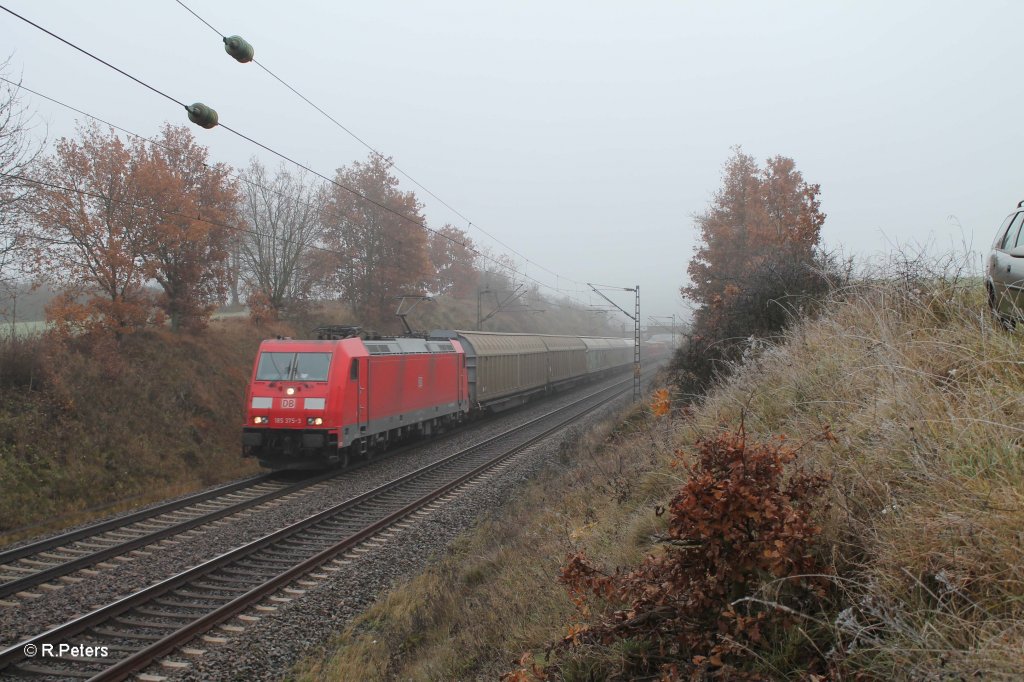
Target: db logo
x=288 y=402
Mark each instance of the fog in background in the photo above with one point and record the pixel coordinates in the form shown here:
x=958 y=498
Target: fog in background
x=582 y=134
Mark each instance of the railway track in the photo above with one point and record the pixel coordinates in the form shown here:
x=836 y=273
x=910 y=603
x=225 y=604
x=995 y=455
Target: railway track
x=129 y=635
x=40 y=563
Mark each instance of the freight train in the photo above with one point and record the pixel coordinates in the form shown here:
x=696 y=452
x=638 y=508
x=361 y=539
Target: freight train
x=314 y=404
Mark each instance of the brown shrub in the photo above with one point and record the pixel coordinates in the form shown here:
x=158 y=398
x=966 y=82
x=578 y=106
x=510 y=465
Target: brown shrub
x=742 y=520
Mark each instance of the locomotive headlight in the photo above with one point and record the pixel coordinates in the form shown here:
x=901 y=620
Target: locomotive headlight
x=318 y=421
x=290 y=390
x=260 y=420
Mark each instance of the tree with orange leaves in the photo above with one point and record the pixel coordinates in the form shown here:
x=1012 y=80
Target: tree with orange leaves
x=90 y=233
x=758 y=216
x=757 y=263
x=759 y=240
x=191 y=217
x=382 y=251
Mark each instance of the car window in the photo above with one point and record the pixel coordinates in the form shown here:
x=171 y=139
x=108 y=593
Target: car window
x=1013 y=232
x=1001 y=234
x=1017 y=222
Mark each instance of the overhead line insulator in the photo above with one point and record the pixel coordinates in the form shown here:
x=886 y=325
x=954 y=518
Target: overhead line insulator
x=237 y=47
x=202 y=115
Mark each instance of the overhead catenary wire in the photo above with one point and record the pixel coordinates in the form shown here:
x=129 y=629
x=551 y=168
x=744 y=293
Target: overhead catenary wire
x=381 y=156
x=91 y=55
x=239 y=176
x=284 y=157
x=163 y=212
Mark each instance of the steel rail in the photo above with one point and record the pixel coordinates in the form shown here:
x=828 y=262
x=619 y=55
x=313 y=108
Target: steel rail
x=11 y=555
x=47 y=574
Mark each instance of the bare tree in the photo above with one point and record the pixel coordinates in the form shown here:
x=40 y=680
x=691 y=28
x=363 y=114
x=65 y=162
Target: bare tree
x=18 y=152
x=280 y=261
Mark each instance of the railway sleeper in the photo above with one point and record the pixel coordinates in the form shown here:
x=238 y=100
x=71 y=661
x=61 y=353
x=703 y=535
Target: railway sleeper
x=147 y=624
x=36 y=669
x=229 y=571
x=157 y=613
x=223 y=588
x=182 y=592
x=227 y=579
x=119 y=634
x=257 y=563
x=180 y=605
x=266 y=551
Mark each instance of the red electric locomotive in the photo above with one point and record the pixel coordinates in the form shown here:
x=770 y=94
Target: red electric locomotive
x=309 y=403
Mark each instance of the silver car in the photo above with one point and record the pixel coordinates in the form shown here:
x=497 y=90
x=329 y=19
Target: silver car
x=1004 y=277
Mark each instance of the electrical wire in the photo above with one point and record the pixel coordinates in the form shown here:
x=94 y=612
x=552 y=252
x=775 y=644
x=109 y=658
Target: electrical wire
x=284 y=157
x=198 y=218
x=238 y=176
x=92 y=56
x=381 y=156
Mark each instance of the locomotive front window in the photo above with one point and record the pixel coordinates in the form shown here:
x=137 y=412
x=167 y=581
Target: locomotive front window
x=311 y=366
x=275 y=366
x=293 y=367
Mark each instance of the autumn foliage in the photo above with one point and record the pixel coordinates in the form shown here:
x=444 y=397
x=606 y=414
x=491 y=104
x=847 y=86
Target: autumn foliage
x=661 y=402
x=380 y=253
x=735 y=568
x=138 y=232
x=760 y=216
x=190 y=208
x=91 y=234
x=112 y=216
x=757 y=265
x=453 y=258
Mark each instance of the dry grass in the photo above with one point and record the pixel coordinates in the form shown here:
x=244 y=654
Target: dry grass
x=494 y=595
x=91 y=428
x=925 y=394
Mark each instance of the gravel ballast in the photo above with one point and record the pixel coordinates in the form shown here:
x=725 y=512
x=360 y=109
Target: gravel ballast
x=271 y=646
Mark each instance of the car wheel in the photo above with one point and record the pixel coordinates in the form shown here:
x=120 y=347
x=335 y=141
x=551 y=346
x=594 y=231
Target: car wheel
x=1007 y=323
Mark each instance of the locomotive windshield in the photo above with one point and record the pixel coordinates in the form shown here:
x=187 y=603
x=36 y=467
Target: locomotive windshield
x=293 y=367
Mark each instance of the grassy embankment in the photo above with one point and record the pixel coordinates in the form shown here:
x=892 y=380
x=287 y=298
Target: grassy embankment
x=88 y=428
x=925 y=395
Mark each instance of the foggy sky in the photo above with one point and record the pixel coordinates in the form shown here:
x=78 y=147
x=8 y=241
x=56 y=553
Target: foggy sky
x=583 y=134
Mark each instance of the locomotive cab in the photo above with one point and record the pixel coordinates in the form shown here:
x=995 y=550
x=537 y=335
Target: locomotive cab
x=311 y=404
x=303 y=398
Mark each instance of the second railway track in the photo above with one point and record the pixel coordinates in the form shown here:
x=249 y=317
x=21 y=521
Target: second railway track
x=152 y=623
x=24 y=568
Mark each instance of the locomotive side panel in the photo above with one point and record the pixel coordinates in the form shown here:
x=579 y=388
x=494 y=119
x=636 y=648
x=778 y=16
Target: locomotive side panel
x=405 y=389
